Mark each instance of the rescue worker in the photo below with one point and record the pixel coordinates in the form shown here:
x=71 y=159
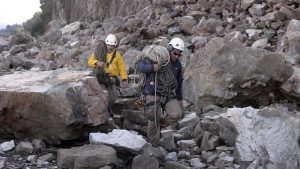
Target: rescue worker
x=112 y=64
x=155 y=101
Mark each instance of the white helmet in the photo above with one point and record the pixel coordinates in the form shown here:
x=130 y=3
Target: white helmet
x=177 y=43
x=111 y=40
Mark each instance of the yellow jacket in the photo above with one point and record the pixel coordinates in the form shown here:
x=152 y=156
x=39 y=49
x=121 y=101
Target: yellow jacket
x=116 y=68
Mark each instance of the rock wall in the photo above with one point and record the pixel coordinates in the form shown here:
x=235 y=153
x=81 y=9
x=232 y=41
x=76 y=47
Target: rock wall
x=68 y=11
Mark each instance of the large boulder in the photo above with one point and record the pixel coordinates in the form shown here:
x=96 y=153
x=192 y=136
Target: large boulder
x=268 y=135
x=292 y=42
x=221 y=75
x=86 y=156
x=20 y=38
x=291 y=88
x=4 y=44
x=51 y=105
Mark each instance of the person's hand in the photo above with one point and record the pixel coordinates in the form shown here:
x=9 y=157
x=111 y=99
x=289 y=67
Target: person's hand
x=156 y=67
x=125 y=83
x=100 y=64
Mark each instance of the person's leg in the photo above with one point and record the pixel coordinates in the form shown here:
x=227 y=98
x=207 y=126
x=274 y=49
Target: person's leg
x=152 y=114
x=173 y=113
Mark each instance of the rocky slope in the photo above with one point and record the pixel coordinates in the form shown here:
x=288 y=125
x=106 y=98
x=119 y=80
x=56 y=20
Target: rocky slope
x=238 y=54
x=68 y=11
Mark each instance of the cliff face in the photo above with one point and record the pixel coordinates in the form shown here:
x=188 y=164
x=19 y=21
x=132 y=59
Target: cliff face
x=67 y=11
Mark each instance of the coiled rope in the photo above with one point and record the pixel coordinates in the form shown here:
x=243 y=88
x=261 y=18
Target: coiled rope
x=166 y=80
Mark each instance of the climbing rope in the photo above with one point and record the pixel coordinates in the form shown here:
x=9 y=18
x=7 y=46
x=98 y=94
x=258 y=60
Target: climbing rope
x=155 y=53
x=166 y=81
x=155 y=104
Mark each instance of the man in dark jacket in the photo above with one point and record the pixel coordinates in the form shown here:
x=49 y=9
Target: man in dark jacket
x=163 y=90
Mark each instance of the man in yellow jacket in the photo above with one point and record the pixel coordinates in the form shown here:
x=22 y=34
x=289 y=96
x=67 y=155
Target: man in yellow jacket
x=113 y=65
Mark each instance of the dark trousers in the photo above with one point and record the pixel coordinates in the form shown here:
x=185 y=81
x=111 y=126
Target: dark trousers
x=156 y=119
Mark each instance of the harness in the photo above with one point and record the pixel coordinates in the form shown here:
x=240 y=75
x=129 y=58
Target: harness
x=104 y=77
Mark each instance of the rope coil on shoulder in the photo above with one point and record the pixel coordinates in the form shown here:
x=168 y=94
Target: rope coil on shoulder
x=157 y=54
x=166 y=81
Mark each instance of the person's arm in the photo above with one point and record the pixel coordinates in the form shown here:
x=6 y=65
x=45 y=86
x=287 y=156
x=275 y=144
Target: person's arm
x=121 y=67
x=92 y=62
x=144 y=67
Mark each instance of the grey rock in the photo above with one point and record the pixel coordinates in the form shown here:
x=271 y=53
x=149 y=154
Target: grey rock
x=32 y=158
x=183 y=154
x=38 y=144
x=196 y=163
x=186 y=24
x=2 y=162
x=71 y=28
x=87 y=156
x=149 y=150
x=171 y=156
x=257 y=9
x=79 y=96
x=145 y=161
x=47 y=157
x=276 y=146
x=261 y=43
x=221 y=88
x=209 y=141
x=112 y=25
x=175 y=165
x=226 y=161
x=167 y=140
x=4 y=43
x=7 y=146
x=185 y=133
x=273 y=16
x=190 y=119
x=106 y=167
x=166 y=20
x=24 y=147
x=185 y=144
x=119 y=138
x=208 y=26
x=197 y=14
x=253 y=33
x=174 y=30
x=247 y=3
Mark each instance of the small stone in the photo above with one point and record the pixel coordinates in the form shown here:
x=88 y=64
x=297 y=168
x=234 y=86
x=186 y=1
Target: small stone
x=171 y=156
